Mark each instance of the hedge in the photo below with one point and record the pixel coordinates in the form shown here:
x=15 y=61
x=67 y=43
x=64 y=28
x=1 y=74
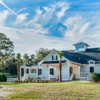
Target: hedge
x=95 y=77
x=3 y=78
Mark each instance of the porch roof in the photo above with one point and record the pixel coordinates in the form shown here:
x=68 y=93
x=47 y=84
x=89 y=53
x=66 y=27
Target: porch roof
x=53 y=62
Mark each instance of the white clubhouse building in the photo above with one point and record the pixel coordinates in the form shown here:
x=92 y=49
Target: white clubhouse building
x=77 y=64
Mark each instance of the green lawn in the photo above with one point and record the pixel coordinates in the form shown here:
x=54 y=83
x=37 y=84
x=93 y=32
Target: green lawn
x=76 y=90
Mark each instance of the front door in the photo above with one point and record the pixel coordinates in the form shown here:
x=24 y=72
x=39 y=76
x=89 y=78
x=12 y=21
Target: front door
x=52 y=73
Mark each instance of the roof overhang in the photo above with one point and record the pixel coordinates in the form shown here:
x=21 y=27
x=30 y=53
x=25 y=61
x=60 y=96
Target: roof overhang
x=53 y=62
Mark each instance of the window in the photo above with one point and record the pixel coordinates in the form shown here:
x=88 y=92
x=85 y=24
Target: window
x=82 y=46
x=33 y=70
x=27 y=71
x=54 y=57
x=51 y=71
x=91 y=69
x=91 y=62
x=22 y=71
x=76 y=48
x=39 y=71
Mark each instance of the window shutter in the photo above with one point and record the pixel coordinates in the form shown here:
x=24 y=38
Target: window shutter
x=56 y=57
x=52 y=57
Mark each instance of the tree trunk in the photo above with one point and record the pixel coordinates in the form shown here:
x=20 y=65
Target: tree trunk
x=60 y=74
x=18 y=69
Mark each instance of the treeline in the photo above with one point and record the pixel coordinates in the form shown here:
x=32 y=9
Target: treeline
x=8 y=59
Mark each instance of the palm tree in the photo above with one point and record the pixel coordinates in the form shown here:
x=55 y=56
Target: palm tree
x=60 y=54
x=18 y=64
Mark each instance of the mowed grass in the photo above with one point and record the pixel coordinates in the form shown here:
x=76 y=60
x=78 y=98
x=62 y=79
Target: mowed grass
x=75 y=90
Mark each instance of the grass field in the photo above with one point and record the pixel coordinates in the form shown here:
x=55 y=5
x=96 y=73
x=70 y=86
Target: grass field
x=76 y=90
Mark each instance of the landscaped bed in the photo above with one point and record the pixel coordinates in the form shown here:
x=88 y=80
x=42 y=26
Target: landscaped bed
x=75 y=90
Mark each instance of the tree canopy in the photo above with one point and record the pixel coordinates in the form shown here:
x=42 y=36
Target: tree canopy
x=6 y=46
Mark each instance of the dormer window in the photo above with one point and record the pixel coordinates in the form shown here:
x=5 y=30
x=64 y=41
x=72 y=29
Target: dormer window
x=54 y=57
x=81 y=46
x=91 y=62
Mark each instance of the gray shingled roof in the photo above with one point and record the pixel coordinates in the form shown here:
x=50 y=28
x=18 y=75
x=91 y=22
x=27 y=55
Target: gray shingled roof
x=83 y=57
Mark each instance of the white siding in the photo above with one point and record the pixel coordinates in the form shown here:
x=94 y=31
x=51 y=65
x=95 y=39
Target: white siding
x=45 y=73
x=97 y=69
x=65 y=71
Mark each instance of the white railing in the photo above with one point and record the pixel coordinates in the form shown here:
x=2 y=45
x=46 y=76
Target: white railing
x=84 y=74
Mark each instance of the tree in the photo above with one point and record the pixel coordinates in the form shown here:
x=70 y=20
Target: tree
x=40 y=54
x=18 y=64
x=6 y=46
x=31 y=59
x=26 y=59
x=60 y=54
x=6 y=50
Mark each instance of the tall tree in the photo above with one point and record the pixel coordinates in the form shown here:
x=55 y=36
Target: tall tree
x=6 y=50
x=31 y=59
x=60 y=54
x=26 y=59
x=18 y=64
x=40 y=54
x=6 y=46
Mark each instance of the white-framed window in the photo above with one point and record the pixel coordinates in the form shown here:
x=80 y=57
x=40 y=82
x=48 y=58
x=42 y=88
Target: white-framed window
x=51 y=71
x=91 y=69
x=91 y=62
x=77 y=48
x=33 y=70
x=39 y=71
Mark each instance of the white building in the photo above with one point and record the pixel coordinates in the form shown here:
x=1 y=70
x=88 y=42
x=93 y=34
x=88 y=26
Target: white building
x=76 y=64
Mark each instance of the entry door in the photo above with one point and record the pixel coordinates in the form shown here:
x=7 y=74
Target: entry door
x=71 y=71
x=52 y=73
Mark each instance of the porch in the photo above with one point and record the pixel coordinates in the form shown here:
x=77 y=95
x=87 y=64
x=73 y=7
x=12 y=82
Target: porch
x=77 y=72
x=30 y=72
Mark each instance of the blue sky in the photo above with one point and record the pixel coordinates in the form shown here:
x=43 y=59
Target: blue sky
x=32 y=24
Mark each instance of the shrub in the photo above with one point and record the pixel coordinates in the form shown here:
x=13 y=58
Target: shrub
x=38 y=78
x=4 y=78
x=1 y=78
x=95 y=77
x=17 y=81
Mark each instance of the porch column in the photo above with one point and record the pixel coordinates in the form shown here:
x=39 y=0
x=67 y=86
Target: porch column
x=25 y=72
x=20 y=74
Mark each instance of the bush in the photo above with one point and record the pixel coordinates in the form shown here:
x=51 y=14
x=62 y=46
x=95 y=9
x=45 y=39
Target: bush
x=4 y=78
x=1 y=78
x=17 y=81
x=95 y=77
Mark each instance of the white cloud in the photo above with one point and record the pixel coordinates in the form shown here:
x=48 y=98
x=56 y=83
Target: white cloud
x=84 y=27
x=64 y=6
x=19 y=11
x=3 y=17
x=21 y=18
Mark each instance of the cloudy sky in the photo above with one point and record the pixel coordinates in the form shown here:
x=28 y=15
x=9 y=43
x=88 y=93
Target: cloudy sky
x=32 y=24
